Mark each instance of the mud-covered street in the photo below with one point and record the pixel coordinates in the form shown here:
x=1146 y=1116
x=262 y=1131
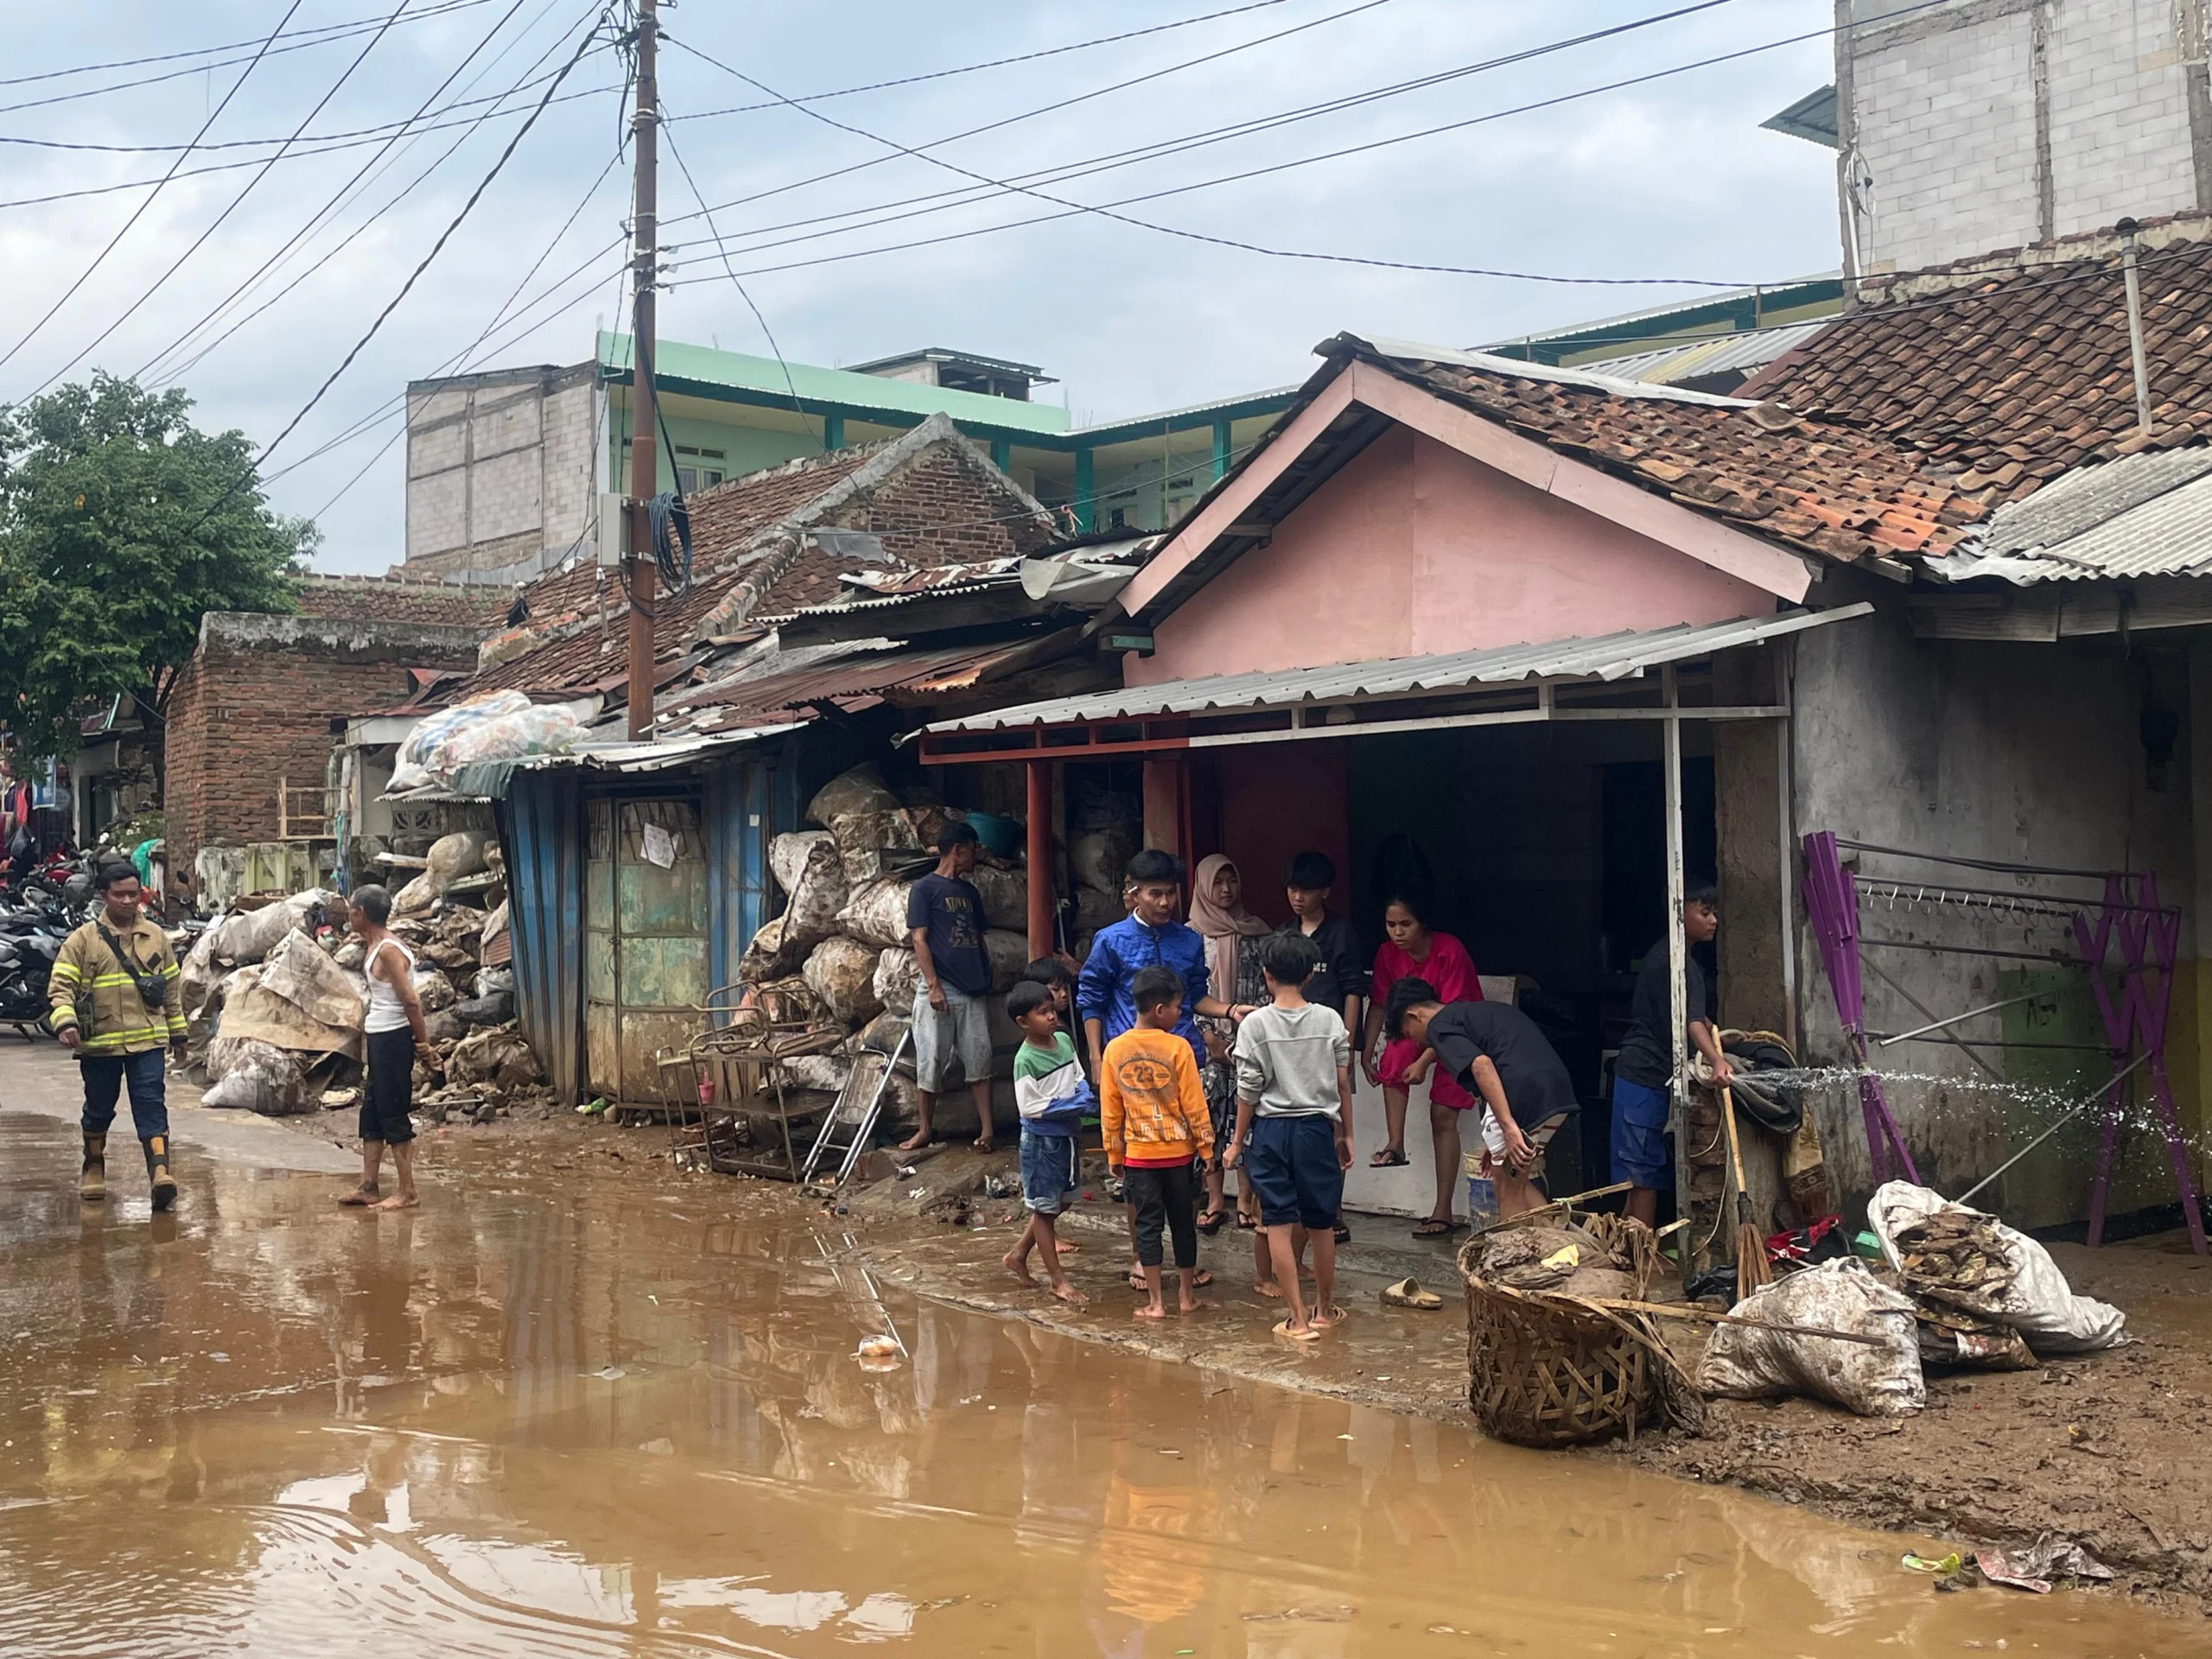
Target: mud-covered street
x=575 y=1406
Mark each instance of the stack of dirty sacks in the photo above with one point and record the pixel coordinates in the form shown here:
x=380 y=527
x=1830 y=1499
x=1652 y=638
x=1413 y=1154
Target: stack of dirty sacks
x=1956 y=1287
x=841 y=945
x=274 y=994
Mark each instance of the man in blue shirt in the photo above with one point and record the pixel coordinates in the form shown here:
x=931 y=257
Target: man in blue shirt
x=1150 y=936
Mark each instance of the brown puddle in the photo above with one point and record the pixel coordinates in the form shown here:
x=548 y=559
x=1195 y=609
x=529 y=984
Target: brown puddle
x=602 y=1418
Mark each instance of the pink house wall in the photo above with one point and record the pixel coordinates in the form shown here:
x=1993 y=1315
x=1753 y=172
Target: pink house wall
x=1415 y=549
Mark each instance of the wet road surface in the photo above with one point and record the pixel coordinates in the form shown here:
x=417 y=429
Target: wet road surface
x=554 y=1415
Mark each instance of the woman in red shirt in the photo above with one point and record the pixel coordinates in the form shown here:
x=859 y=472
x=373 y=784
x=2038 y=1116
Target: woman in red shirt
x=1412 y=948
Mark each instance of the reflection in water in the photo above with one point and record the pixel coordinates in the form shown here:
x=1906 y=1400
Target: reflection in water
x=537 y=1421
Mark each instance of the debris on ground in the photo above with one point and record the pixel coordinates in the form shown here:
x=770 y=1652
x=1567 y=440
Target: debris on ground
x=2033 y=1567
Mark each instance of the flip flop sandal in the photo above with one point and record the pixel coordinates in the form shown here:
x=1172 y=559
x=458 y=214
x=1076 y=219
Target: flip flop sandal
x=1407 y=1292
x=1388 y=1158
x=1283 y=1330
x=1343 y=1233
x=1203 y=1278
x=1136 y=1282
x=1246 y=1224
x=1435 y=1228
x=1210 y=1222
x=359 y=1199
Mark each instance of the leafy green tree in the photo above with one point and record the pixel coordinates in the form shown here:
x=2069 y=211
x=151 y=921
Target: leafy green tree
x=121 y=524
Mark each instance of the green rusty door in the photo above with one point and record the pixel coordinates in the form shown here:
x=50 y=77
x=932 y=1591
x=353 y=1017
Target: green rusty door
x=646 y=957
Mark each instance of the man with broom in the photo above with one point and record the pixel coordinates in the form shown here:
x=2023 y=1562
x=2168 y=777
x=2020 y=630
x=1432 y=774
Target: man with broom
x=1645 y=1068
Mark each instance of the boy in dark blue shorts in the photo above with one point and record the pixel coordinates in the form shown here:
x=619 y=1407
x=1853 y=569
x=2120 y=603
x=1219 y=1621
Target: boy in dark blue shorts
x=1051 y=1095
x=1293 y=1126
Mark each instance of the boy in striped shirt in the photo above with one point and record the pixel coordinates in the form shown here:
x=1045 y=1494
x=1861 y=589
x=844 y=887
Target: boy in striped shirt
x=1052 y=1095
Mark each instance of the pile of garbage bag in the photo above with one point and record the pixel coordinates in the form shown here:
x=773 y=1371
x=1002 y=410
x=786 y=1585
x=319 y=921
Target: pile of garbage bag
x=500 y=726
x=274 y=995
x=1956 y=1287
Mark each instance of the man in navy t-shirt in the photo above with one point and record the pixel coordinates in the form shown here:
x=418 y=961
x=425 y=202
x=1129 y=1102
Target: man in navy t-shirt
x=944 y=919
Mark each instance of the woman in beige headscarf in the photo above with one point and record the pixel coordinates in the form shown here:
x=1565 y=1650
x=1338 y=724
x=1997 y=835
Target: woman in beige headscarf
x=1218 y=915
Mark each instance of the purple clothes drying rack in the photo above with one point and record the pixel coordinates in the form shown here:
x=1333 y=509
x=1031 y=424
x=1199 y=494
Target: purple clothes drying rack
x=2129 y=917
x=1831 y=901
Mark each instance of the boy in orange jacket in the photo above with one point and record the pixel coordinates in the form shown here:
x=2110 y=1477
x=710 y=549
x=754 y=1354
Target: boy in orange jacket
x=1153 y=1111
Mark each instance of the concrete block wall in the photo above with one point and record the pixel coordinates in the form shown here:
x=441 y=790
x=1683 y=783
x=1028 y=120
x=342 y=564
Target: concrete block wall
x=1944 y=111
x=500 y=466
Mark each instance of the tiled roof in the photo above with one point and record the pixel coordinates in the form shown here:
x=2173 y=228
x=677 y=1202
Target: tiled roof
x=2013 y=376
x=724 y=521
x=1826 y=488
x=753 y=530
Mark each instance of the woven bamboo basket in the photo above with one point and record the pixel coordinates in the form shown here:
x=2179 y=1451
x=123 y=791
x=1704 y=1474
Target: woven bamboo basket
x=1545 y=1371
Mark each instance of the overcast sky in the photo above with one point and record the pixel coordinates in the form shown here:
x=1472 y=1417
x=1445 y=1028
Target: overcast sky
x=1669 y=178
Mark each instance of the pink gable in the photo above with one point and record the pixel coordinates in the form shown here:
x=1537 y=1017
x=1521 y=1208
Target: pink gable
x=1415 y=549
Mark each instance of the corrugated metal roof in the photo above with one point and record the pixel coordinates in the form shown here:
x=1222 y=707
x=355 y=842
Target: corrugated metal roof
x=1742 y=353
x=2142 y=515
x=1605 y=657
x=1599 y=378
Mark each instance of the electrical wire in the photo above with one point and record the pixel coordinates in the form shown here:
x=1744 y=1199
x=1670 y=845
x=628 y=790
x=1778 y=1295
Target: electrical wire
x=790 y=384
x=1063 y=172
x=235 y=202
x=992 y=63
x=337 y=201
x=438 y=247
x=137 y=212
x=1012 y=186
x=1058 y=104
x=301 y=44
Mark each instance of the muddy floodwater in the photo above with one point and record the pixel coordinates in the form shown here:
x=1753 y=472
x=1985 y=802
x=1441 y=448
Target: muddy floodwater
x=588 y=1412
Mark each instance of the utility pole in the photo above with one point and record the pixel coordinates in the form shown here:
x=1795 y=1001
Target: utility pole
x=644 y=472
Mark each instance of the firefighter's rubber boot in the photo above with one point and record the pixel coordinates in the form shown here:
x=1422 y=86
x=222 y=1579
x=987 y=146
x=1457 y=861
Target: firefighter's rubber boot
x=92 y=1186
x=157 y=1170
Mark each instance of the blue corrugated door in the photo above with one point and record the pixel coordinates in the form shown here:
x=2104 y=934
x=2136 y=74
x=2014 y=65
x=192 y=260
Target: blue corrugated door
x=545 y=885
x=748 y=804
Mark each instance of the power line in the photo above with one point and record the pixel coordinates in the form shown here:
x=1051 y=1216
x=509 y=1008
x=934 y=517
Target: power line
x=1057 y=105
x=790 y=384
x=438 y=247
x=138 y=212
x=993 y=63
x=334 y=32
x=200 y=241
x=307 y=151
x=1022 y=184
x=1108 y=210
x=331 y=206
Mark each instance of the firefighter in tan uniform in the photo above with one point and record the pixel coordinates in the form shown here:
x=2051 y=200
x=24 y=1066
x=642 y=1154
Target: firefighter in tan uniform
x=117 y=1002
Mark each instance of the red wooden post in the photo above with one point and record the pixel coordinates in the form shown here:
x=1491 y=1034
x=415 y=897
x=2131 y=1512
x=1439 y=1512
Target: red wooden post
x=1040 y=858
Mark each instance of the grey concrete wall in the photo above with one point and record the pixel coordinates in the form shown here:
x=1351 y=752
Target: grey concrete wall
x=2013 y=752
x=499 y=467
x=1994 y=124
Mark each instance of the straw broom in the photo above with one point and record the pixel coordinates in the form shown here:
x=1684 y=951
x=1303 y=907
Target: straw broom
x=1752 y=1267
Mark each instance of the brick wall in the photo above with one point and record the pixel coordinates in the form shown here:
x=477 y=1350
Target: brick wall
x=940 y=510
x=1944 y=110
x=389 y=599
x=257 y=703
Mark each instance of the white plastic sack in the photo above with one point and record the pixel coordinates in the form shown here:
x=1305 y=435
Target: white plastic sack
x=898 y=981
x=872 y=844
x=412 y=770
x=1742 y=1362
x=1006 y=896
x=860 y=790
x=788 y=854
x=417 y=896
x=1009 y=954
x=841 y=972
x=451 y=857
x=877 y=913
x=249 y=936
x=818 y=892
x=765 y=958
x=2038 y=1303
x=302 y=972
x=1097 y=859
x=433 y=989
x=255 y=1076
